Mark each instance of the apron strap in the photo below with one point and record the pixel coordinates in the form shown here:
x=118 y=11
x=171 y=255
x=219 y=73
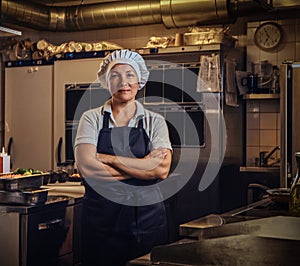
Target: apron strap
x=140 y=123
x=106 y=119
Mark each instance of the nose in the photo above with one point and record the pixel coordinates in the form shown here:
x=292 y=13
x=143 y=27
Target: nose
x=124 y=84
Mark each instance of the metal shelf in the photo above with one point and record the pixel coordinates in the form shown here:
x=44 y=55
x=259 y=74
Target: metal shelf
x=261 y=96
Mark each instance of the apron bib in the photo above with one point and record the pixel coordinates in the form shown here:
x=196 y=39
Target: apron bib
x=114 y=233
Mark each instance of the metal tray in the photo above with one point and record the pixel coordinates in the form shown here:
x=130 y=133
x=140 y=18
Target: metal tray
x=24 y=197
x=22 y=182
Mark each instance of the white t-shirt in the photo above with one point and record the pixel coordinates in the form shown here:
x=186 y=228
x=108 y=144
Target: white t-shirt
x=91 y=123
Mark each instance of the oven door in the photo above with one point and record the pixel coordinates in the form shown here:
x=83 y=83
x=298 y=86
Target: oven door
x=186 y=123
x=47 y=236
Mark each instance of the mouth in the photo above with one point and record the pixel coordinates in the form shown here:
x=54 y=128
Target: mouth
x=124 y=90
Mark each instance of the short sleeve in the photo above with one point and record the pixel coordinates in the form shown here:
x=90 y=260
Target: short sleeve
x=88 y=128
x=160 y=134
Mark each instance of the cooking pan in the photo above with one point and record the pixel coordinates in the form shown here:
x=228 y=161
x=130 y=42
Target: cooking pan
x=28 y=196
x=277 y=195
x=14 y=182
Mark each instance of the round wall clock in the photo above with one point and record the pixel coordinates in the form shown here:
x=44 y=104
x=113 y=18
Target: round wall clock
x=268 y=36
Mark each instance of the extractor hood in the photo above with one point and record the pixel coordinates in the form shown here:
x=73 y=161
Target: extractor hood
x=7 y=32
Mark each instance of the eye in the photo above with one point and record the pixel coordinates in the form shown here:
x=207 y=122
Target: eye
x=131 y=75
x=114 y=75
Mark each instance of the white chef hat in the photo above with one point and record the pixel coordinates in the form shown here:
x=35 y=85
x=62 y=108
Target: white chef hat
x=128 y=57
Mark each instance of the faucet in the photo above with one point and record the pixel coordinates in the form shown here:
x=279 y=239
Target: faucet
x=263 y=158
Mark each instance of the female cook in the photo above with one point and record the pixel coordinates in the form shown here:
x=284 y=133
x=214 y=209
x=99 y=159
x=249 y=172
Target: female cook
x=121 y=147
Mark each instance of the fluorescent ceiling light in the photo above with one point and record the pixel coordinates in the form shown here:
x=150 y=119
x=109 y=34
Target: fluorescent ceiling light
x=6 y=32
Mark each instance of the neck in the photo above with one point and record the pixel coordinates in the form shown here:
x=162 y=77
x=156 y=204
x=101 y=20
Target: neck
x=123 y=112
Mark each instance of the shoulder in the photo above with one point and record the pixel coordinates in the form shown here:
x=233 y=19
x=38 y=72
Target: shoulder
x=92 y=117
x=156 y=118
x=142 y=110
x=151 y=118
x=93 y=113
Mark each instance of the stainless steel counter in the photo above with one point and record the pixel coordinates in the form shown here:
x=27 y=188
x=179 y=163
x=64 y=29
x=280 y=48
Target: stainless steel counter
x=265 y=241
x=193 y=228
x=60 y=194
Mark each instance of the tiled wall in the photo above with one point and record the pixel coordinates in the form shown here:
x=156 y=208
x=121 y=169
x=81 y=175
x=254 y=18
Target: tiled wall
x=263 y=116
x=263 y=128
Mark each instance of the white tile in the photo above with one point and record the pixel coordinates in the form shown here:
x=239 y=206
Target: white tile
x=278 y=122
x=278 y=137
x=267 y=138
x=253 y=138
x=271 y=56
x=253 y=106
x=254 y=24
x=287 y=21
x=269 y=106
x=267 y=121
x=252 y=121
x=250 y=35
x=287 y=53
x=253 y=55
x=251 y=154
x=289 y=32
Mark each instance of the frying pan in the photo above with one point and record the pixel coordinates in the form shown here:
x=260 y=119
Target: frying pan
x=277 y=195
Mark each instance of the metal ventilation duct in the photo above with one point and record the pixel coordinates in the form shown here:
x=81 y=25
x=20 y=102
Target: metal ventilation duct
x=171 y=13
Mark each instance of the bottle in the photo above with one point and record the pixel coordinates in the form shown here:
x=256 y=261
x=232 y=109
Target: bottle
x=275 y=80
x=294 y=200
x=4 y=162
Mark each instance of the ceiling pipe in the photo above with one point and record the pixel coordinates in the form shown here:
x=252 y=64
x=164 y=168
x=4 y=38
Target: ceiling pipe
x=170 y=13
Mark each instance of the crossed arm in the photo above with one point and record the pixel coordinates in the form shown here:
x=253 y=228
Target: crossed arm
x=90 y=163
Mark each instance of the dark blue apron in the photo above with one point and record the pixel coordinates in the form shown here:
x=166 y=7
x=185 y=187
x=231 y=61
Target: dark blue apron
x=114 y=233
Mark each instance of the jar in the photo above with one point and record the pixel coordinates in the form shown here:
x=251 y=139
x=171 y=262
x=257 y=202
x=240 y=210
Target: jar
x=294 y=201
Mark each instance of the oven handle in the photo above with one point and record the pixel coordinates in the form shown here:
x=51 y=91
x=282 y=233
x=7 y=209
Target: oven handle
x=50 y=224
x=59 y=146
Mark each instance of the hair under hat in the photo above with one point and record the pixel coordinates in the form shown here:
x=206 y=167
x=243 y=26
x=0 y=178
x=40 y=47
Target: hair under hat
x=128 y=57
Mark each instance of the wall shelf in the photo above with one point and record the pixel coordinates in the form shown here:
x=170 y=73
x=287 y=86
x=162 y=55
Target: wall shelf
x=261 y=96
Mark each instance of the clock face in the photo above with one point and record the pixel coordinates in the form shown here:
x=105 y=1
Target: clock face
x=268 y=36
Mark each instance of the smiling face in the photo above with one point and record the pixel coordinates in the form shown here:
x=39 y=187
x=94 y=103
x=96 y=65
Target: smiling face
x=123 y=83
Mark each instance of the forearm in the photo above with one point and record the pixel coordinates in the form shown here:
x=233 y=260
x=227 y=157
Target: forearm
x=89 y=166
x=145 y=168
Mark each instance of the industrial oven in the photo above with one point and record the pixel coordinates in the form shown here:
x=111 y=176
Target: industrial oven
x=40 y=234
